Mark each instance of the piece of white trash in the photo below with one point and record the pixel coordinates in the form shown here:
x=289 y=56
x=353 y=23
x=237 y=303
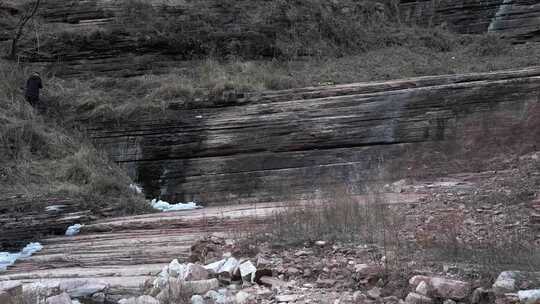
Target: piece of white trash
x=7 y=259
x=73 y=230
x=165 y=206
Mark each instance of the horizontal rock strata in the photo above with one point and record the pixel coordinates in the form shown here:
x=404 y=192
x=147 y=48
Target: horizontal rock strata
x=298 y=144
x=95 y=36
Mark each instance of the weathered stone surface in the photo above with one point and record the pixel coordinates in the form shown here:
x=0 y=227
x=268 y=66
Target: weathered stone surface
x=511 y=281
x=529 y=296
x=11 y=292
x=414 y=298
x=128 y=54
x=59 y=299
x=297 y=143
x=140 y=300
x=78 y=288
x=516 y=18
x=178 y=288
x=482 y=296
x=23 y=219
x=442 y=287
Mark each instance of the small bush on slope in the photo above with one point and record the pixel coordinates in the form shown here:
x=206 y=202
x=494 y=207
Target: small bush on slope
x=40 y=158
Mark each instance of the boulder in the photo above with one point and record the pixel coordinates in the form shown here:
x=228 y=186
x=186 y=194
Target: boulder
x=415 y=298
x=243 y=297
x=197 y=299
x=368 y=273
x=62 y=298
x=483 y=296
x=531 y=296
x=187 y=272
x=40 y=289
x=422 y=288
x=99 y=297
x=374 y=293
x=511 y=281
x=11 y=292
x=80 y=288
x=273 y=283
x=140 y=300
x=178 y=288
x=247 y=271
x=286 y=298
x=443 y=288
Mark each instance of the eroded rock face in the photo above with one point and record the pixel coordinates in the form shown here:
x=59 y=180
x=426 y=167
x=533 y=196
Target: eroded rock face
x=299 y=143
x=11 y=292
x=59 y=299
x=516 y=18
x=108 y=47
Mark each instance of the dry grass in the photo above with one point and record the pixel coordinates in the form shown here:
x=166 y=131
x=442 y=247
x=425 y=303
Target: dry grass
x=41 y=158
x=206 y=83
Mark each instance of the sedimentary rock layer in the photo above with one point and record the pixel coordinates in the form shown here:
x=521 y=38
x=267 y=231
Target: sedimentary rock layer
x=112 y=37
x=302 y=143
x=513 y=18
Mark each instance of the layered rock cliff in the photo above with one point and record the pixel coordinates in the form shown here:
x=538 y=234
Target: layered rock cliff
x=126 y=37
x=300 y=143
x=517 y=19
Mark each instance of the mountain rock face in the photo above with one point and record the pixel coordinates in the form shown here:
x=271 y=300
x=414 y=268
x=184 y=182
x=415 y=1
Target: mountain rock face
x=517 y=19
x=305 y=143
x=126 y=37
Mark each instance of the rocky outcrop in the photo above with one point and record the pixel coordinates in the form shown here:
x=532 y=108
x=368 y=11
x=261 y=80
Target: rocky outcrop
x=300 y=143
x=127 y=38
x=517 y=19
x=25 y=219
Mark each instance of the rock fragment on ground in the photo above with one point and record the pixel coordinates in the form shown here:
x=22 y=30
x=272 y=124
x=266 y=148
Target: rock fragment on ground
x=11 y=292
x=415 y=298
x=140 y=300
x=62 y=298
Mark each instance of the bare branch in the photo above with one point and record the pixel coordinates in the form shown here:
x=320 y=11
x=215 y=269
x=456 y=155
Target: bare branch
x=27 y=16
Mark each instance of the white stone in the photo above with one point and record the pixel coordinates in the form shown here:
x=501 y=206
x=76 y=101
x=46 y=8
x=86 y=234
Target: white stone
x=415 y=298
x=230 y=265
x=531 y=296
x=140 y=300
x=242 y=297
x=505 y=282
x=80 y=288
x=286 y=298
x=175 y=268
x=187 y=272
x=216 y=266
x=59 y=299
x=197 y=299
x=374 y=293
x=442 y=287
x=422 y=288
x=247 y=271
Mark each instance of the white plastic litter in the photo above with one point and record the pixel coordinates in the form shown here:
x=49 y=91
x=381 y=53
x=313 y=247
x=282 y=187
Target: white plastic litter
x=7 y=259
x=165 y=206
x=136 y=188
x=73 y=230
